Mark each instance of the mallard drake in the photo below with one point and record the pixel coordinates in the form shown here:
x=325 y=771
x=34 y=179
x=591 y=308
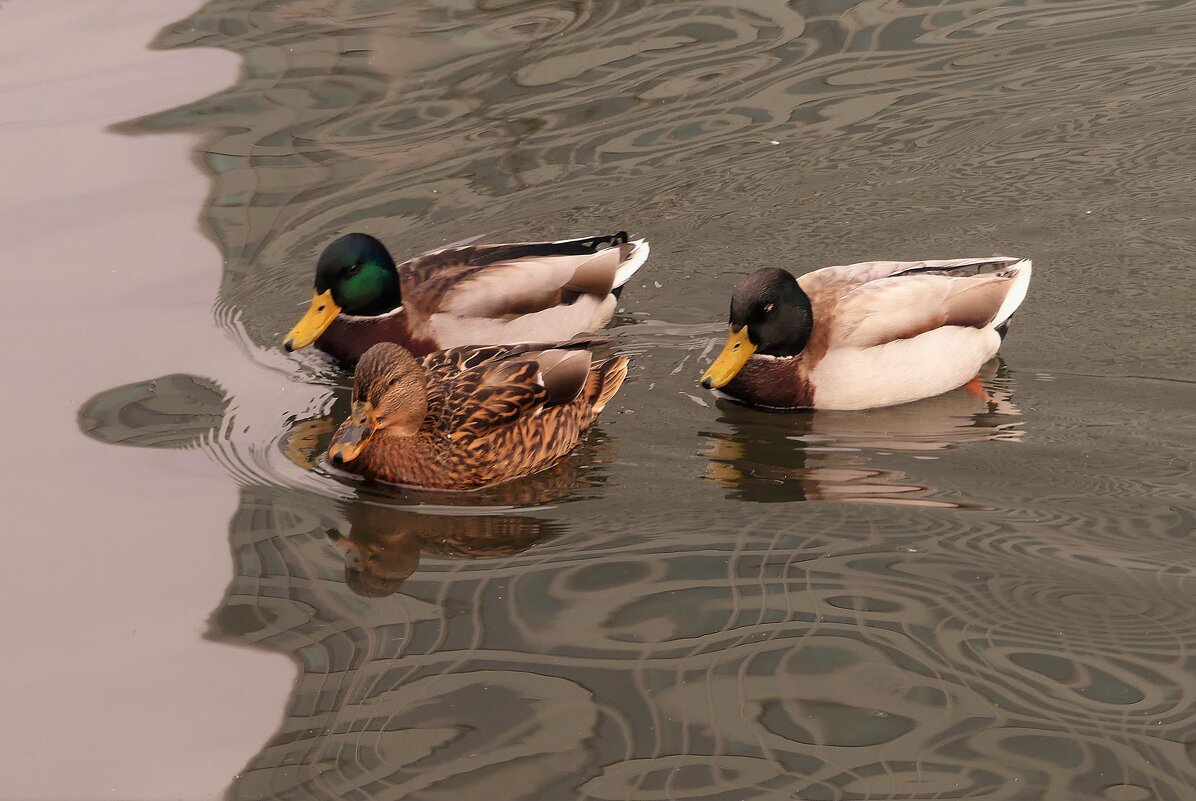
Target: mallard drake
x=471 y=295
x=864 y=335
x=472 y=417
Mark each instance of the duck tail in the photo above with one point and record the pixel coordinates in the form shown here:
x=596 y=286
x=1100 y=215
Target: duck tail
x=632 y=256
x=604 y=381
x=1021 y=272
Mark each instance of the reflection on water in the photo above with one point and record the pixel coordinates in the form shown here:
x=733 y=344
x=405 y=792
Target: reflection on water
x=383 y=544
x=990 y=600
x=823 y=455
x=174 y=411
x=844 y=651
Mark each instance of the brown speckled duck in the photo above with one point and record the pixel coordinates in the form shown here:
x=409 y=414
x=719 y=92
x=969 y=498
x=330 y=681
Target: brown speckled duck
x=471 y=295
x=471 y=417
x=859 y=336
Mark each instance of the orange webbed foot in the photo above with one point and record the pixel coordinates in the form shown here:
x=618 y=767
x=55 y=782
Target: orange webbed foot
x=976 y=387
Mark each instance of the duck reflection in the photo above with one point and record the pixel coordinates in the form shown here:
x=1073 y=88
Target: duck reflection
x=830 y=455
x=382 y=544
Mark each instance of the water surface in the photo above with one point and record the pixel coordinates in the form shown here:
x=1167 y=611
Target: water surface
x=113 y=558
x=959 y=598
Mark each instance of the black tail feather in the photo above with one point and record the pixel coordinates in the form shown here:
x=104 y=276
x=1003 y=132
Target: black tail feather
x=569 y=247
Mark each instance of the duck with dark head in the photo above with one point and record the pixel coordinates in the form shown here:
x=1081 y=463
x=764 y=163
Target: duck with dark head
x=865 y=335
x=475 y=294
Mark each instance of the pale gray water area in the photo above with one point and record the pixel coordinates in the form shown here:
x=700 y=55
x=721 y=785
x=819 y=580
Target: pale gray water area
x=954 y=599
x=114 y=557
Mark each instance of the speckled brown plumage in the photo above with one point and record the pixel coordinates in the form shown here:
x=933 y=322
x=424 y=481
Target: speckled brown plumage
x=493 y=414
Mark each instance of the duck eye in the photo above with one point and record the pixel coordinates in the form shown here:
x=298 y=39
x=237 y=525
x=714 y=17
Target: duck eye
x=354 y=268
x=769 y=307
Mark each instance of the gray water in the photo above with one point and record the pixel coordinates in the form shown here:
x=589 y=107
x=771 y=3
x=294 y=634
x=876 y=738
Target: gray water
x=949 y=599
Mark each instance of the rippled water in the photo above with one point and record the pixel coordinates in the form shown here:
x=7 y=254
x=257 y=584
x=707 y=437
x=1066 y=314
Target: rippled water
x=950 y=599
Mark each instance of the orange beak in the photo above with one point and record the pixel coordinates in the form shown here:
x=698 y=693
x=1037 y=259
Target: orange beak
x=354 y=434
x=320 y=314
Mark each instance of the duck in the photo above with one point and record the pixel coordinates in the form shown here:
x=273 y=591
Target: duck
x=463 y=295
x=471 y=417
x=866 y=335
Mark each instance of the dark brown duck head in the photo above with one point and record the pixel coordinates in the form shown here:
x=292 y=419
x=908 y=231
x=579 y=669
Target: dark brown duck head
x=770 y=315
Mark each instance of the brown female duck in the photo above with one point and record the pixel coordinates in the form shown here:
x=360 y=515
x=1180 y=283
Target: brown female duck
x=471 y=417
x=477 y=294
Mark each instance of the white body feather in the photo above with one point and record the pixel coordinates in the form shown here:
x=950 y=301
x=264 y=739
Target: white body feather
x=639 y=255
x=558 y=323
x=1017 y=293
x=902 y=371
x=857 y=374
x=468 y=314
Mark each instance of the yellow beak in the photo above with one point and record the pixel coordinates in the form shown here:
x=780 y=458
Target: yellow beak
x=320 y=314
x=736 y=352
x=354 y=434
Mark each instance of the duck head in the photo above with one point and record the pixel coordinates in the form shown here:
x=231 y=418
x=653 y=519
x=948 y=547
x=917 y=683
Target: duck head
x=770 y=315
x=390 y=397
x=355 y=275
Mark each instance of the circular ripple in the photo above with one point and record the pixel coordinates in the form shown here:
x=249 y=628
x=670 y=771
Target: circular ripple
x=173 y=411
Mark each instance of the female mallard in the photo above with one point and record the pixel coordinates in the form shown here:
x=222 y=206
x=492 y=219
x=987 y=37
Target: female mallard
x=863 y=335
x=468 y=418
x=472 y=295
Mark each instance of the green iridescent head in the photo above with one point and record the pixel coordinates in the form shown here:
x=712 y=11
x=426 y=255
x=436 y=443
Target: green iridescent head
x=361 y=275
x=355 y=275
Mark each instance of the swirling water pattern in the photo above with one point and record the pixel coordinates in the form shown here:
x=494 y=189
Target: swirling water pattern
x=962 y=598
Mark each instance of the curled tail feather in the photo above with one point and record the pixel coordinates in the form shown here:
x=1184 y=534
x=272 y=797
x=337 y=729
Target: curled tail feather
x=604 y=381
x=632 y=255
x=1021 y=273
